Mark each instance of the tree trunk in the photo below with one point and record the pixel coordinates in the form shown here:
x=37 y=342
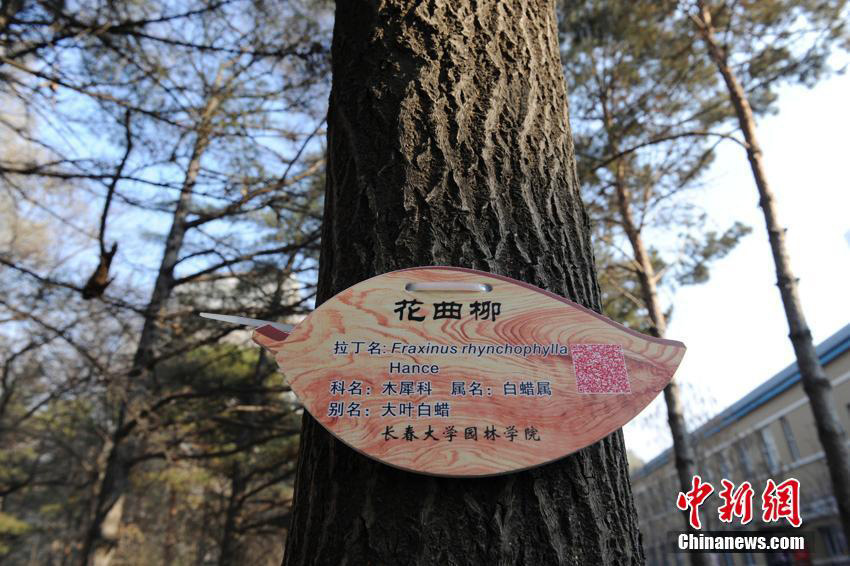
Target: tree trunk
x=817 y=386
x=201 y=546
x=99 y=544
x=683 y=451
x=448 y=144
x=169 y=547
x=229 y=547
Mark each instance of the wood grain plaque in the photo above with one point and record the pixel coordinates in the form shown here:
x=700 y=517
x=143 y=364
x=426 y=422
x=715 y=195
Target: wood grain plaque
x=456 y=372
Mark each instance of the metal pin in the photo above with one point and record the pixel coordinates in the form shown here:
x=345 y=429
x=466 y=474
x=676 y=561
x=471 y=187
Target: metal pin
x=252 y=322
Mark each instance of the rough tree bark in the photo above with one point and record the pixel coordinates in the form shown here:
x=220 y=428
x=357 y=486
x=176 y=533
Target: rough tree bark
x=448 y=144
x=817 y=386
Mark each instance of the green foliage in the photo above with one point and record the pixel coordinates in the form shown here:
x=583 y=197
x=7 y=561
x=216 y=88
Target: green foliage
x=648 y=109
x=644 y=105
x=10 y=527
x=768 y=42
x=229 y=437
x=699 y=253
x=622 y=296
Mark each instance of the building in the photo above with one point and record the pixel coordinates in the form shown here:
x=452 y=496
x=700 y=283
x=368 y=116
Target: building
x=769 y=433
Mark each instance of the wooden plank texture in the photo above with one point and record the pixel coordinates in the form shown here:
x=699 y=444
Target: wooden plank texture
x=542 y=376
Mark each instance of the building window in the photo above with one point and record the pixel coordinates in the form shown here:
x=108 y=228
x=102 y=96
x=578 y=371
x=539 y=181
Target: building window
x=651 y=558
x=655 y=501
x=722 y=465
x=789 y=439
x=744 y=457
x=833 y=540
x=768 y=450
x=673 y=489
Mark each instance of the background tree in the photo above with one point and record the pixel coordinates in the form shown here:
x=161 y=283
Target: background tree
x=448 y=144
x=645 y=111
x=197 y=121
x=755 y=46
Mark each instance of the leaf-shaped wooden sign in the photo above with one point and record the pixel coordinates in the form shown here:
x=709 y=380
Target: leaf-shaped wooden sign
x=456 y=372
